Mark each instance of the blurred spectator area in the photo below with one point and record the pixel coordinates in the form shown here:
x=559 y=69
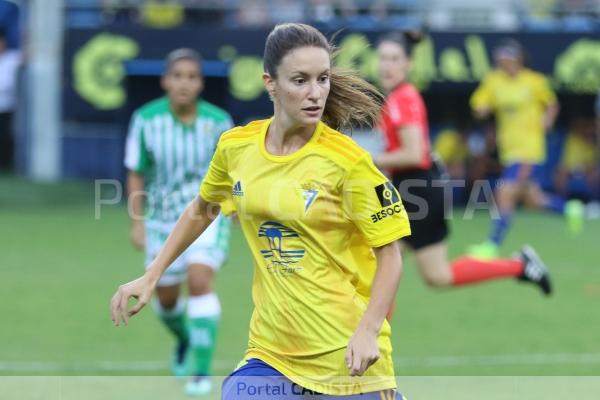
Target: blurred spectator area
x=467 y=147
x=502 y=15
x=358 y=14
x=10 y=18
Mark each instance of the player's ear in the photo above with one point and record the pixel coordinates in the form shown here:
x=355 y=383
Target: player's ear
x=164 y=82
x=269 y=84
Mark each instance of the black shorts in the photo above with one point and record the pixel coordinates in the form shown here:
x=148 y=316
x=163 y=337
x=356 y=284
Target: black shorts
x=6 y=140
x=422 y=194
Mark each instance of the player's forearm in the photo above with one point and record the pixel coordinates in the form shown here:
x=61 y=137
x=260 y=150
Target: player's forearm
x=384 y=288
x=135 y=195
x=550 y=115
x=401 y=158
x=407 y=156
x=194 y=220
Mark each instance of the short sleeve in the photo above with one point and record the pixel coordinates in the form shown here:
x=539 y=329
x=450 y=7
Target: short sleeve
x=136 y=154
x=374 y=205
x=217 y=185
x=544 y=93
x=404 y=110
x=483 y=97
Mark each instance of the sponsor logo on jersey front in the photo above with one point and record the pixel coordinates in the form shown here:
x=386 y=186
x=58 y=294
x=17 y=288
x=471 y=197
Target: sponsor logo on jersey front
x=279 y=256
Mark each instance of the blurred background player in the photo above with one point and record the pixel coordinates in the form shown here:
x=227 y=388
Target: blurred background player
x=420 y=183
x=9 y=64
x=577 y=175
x=170 y=144
x=525 y=107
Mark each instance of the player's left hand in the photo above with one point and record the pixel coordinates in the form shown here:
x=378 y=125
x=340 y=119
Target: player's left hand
x=362 y=351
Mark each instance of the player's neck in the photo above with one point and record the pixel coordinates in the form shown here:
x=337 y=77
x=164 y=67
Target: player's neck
x=185 y=113
x=513 y=73
x=285 y=137
x=397 y=85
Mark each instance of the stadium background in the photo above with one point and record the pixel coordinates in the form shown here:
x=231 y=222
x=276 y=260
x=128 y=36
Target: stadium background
x=89 y=63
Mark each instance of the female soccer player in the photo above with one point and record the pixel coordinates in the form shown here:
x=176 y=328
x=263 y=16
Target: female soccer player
x=408 y=158
x=170 y=144
x=321 y=221
x=525 y=107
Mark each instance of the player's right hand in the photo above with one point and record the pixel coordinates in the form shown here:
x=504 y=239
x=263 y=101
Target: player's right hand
x=140 y=289
x=137 y=235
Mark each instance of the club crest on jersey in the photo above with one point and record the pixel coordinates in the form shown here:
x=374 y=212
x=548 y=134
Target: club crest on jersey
x=237 y=189
x=280 y=260
x=310 y=191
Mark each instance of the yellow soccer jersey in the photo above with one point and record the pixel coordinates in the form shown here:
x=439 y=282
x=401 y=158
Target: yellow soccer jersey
x=519 y=104
x=310 y=219
x=578 y=154
x=450 y=147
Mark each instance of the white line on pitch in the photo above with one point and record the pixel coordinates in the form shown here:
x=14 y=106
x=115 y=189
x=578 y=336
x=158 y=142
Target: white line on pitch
x=434 y=361
x=506 y=359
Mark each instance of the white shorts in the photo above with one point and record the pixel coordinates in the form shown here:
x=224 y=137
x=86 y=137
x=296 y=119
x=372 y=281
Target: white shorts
x=209 y=249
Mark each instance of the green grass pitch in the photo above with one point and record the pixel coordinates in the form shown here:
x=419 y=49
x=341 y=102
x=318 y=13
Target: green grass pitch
x=60 y=266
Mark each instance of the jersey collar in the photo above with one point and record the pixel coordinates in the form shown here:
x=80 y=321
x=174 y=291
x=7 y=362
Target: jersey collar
x=289 y=157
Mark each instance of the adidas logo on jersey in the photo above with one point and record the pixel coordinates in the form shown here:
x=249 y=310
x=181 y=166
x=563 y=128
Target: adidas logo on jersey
x=237 y=189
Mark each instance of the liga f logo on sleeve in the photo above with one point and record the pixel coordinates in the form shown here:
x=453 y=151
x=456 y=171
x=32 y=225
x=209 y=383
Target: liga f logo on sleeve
x=387 y=194
x=390 y=202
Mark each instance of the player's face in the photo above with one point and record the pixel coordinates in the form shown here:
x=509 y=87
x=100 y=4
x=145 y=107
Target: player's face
x=302 y=85
x=510 y=65
x=183 y=82
x=394 y=64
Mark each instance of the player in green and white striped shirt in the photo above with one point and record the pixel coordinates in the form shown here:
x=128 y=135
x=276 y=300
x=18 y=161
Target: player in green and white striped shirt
x=170 y=144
